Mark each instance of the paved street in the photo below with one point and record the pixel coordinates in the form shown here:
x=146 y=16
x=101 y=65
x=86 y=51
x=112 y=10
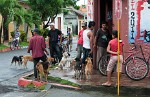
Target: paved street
x=8 y=71
x=9 y=78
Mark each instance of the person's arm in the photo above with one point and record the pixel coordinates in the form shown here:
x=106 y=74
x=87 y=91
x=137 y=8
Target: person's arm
x=109 y=50
x=60 y=38
x=49 y=39
x=96 y=38
x=79 y=35
x=30 y=46
x=46 y=51
x=60 y=33
x=44 y=46
x=90 y=35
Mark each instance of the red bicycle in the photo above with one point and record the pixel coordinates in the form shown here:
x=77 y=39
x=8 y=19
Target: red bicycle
x=136 y=67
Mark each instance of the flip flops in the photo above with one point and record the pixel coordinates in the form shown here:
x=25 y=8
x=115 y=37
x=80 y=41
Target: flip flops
x=106 y=84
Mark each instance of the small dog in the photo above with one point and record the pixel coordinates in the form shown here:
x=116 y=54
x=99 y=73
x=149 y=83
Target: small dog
x=63 y=61
x=88 y=68
x=27 y=58
x=78 y=68
x=17 y=59
x=42 y=68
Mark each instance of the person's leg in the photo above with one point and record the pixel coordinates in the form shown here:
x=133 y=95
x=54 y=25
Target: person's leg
x=99 y=54
x=58 y=52
x=110 y=67
x=79 y=50
x=85 y=55
x=51 y=48
x=35 y=61
x=70 y=45
x=120 y=69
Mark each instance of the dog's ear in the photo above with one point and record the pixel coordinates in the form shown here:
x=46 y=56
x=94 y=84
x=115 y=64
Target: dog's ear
x=68 y=54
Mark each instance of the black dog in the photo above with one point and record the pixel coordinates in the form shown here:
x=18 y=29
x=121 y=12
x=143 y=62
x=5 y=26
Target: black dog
x=17 y=59
x=78 y=69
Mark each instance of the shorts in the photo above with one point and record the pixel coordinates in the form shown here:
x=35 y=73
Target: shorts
x=113 y=61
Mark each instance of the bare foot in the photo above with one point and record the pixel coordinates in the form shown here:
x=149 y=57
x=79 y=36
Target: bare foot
x=106 y=84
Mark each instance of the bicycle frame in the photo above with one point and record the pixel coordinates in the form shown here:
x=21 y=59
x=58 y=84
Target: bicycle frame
x=132 y=54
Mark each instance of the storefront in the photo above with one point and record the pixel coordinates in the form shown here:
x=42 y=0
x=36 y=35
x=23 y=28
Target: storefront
x=134 y=20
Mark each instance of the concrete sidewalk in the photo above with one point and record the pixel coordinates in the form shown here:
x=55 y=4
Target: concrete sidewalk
x=127 y=85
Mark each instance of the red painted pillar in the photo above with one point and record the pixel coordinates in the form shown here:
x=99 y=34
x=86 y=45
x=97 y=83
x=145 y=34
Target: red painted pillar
x=97 y=21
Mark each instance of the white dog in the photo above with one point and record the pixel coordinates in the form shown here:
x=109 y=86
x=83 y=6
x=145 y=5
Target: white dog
x=63 y=61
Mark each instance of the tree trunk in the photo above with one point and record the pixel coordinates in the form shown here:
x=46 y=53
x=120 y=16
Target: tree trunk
x=5 y=28
x=27 y=32
x=1 y=33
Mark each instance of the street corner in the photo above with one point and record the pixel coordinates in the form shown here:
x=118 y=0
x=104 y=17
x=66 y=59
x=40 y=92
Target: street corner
x=5 y=50
x=56 y=85
x=22 y=82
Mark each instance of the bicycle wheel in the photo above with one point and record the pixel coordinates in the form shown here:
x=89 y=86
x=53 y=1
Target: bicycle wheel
x=12 y=45
x=102 y=64
x=136 y=69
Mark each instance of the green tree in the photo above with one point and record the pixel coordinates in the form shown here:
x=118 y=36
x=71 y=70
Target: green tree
x=8 y=8
x=50 y=8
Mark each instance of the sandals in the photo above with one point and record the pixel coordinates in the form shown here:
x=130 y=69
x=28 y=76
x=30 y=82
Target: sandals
x=106 y=84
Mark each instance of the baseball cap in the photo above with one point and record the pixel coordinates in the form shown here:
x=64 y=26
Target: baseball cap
x=51 y=24
x=84 y=24
x=36 y=30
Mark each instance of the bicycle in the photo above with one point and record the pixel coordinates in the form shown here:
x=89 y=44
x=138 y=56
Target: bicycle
x=139 y=66
x=136 y=68
x=14 y=44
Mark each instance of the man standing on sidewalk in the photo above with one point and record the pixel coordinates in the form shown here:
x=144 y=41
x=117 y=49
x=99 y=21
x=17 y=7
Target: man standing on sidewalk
x=38 y=47
x=80 y=41
x=53 y=35
x=101 y=41
x=88 y=41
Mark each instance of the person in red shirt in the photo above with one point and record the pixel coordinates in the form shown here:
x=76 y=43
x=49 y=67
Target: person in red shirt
x=80 y=41
x=112 y=48
x=38 y=47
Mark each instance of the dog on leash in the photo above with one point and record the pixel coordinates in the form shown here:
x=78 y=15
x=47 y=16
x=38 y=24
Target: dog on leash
x=78 y=68
x=88 y=68
x=17 y=59
x=63 y=61
x=27 y=58
x=42 y=68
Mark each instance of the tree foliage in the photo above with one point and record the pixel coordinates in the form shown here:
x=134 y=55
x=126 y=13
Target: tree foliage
x=50 y=8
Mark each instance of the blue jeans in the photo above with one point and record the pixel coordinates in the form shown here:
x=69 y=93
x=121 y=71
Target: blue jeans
x=86 y=53
x=79 y=50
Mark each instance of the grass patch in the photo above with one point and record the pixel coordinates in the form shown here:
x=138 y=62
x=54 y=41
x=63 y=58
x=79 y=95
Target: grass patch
x=2 y=46
x=32 y=86
x=62 y=81
x=24 y=43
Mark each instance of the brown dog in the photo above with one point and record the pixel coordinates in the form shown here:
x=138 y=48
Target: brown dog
x=27 y=58
x=42 y=68
x=88 y=68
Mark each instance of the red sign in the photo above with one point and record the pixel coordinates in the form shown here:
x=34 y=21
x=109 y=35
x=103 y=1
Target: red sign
x=118 y=8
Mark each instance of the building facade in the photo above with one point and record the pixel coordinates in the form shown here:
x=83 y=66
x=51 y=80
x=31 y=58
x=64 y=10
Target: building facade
x=134 y=22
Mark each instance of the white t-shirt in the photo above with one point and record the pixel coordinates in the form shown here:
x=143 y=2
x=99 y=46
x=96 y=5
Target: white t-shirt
x=86 y=40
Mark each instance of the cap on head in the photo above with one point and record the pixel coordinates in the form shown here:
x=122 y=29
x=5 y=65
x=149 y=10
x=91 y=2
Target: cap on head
x=36 y=30
x=84 y=24
x=51 y=24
